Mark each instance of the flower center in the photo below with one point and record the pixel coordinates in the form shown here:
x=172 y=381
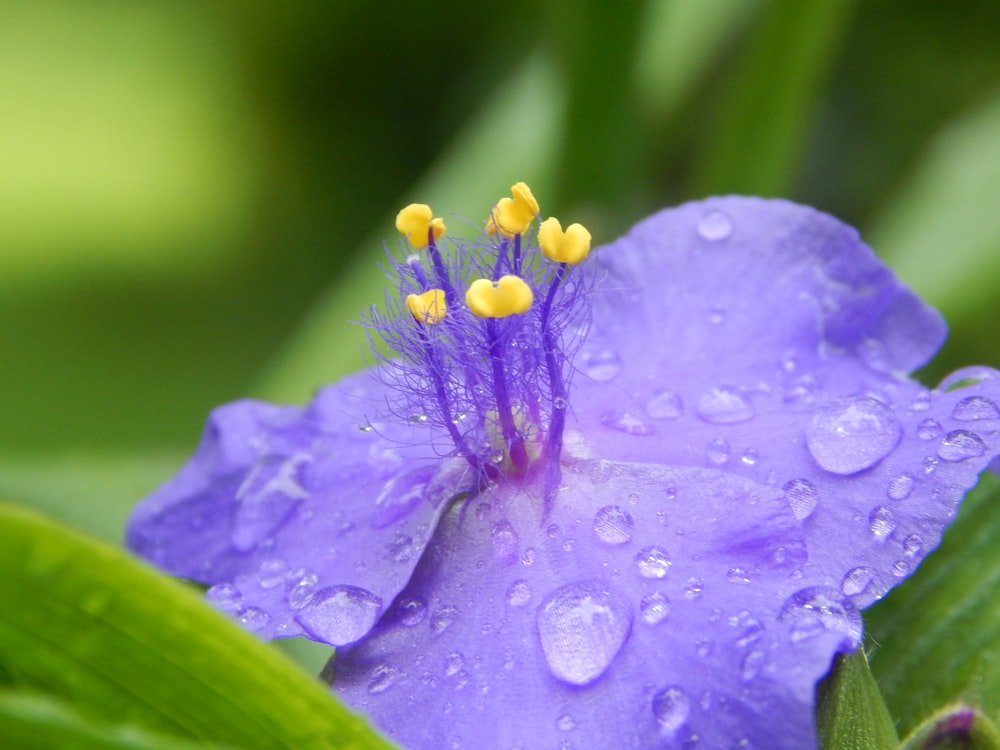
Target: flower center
x=482 y=334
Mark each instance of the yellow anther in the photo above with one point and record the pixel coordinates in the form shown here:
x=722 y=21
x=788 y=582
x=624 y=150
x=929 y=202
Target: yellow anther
x=415 y=220
x=513 y=215
x=571 y=246
x=428 y=307
x=498 y=299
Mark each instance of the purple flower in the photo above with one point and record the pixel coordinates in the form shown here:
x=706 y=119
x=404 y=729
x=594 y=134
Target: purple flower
x=640 y=509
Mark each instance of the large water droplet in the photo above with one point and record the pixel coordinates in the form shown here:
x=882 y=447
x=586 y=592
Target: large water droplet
x=901 y=487
x=664 y=404
x=851 y=434
x=653 y=562
x=339 y=615
x=974 y=408
x=715 y=226
x=582 y=626
x=613 y=525
x=601 y=365
x=629 y=421
x=802 y=496
x=881 y=523
x=959 y=445
x=519 y=594
x=817 y=609
x=504 y=541
x=724 y=405
x=717 y=451
x=671 y=707
x=857 y=580
x=654 y=608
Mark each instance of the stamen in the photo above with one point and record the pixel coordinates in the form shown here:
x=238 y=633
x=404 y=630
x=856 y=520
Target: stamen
x=510 y=295
x=416 y=224
x=513 y=216
x=571 y=246
x=428 y=307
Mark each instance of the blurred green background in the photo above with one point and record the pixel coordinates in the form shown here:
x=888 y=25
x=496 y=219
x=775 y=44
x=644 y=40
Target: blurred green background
x=193 y=195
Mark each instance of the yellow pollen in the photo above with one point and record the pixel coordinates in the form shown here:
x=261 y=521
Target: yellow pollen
x=571 y=246
x=498 y=299
x=513 y=215
x=415 y=220
x=428 y=307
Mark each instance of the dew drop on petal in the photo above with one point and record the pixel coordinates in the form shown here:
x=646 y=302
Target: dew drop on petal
x=519 y=593
x=671 y=707
x=959 y=445
x=653 y=561
x=851 y=434
x=974 y=408
x=802 y=393
x=401 y=549
x=225 y=596
x=901 y=569
x=601 y=365
x=928 y=429
x=442 y=619
x=272 y=573
x=752 y=664
x=384 y=677
x=913 y=545
x=299 y=586
x=715 y=226
x=901 y=487
x=412 y=610
x=724 y=405
x=453 y=663
x=654 y=608
x=664 y=404
x=565 y=723
x=339 y=615
x=693 y=588
x=582 y=626
x=254 y=618
x=750 y=457
x=737 y=575
x=629 y=421
x=802 y=496
x=717 y=451
x=857 y=580
x=881 y=523
x=504 y=541
x=817 y=609
x=613 y=525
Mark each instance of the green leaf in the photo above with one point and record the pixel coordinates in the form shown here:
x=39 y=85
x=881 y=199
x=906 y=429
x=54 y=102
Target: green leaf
x=937 y=635
x=94 y=628
x=850 y=712
x=958 y=727
x=768 y=107
x=34 y=721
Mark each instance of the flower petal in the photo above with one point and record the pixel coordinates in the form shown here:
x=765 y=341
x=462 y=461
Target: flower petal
x=654 y=604
x=307 y=521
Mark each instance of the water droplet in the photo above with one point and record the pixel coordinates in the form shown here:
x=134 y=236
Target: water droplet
x=959 y=445
x=528 y=558
x=802 y=393
x=922 y=401
x=851 y=434
x=857 y=580
x=705 y=648
x=453 y=662
x=802 y=496
x=653 y=561
x=737 y=575
x=928 y=429
x=225 y=596
x=715 y=226
x=664 y=404
x=582 y=626
x=817 y=609
x=671 y=707
x=717 y=451
x=401 y=548
x=272 y=573
x=693 y=588
x=930 y=465
x=716 y=316
x=384 y=677
x=339 y=615
x=504 y=541
x=483 y=511
x=613 y=525
x=519 y=594
x=442 y=619
x=901 y=569
x=654 y=608
x=901 y=487
x=601 y=365
x=913 y=545
x=559 y=403
x=299 y=586
x=724 y=405
x=881 y=523
x=752 y=664
x=629 y=421
x=974 y=408
x=254 y=618
x=552 y=531
x=411 y=610
x=750 y=457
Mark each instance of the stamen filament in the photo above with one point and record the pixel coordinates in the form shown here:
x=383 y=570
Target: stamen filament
x=512 y=438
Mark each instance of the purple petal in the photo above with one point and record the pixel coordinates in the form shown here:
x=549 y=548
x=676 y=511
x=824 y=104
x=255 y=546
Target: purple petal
x=309 y=521
x=653 y=605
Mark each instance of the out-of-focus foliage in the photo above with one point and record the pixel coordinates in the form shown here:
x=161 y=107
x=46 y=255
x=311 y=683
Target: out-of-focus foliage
x=194 y=195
